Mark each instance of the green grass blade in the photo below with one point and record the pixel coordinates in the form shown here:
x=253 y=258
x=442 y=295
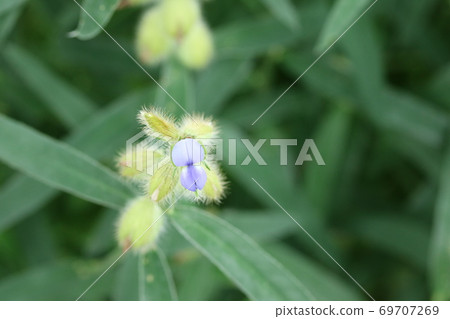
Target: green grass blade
x=67 y=103
x=342 y=15
x=284 y=11
x=59 y=165
x=440 y=252
x=8 y=20
x=99 y=10
x=254 y=271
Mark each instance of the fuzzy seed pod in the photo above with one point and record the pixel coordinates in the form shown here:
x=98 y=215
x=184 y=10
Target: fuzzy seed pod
x=179 y=16
x=140 y=224
x=197 y=48
x=152 y=43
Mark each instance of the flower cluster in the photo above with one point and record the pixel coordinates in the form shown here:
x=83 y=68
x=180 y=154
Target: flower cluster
x=174 y=27
x=178 y=162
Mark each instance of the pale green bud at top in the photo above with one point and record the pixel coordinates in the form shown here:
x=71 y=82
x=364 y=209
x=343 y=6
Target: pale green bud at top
x=197 y=48
x=180 y=16
x=140 y=224
x=158 y=124
x=153 y=44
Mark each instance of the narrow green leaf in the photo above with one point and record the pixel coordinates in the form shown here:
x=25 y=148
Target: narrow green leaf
x=342 y=15
x=8 y=19
x=176 y=81
x=68 y=104
x=6 y=5
x=227 y=74
x=440 y=242
x=254 y=271
x=60 y=281
x=249 y=38
x=284 y=11
x=322 y=283
x=399 y=235
x=59 y=165
x=155 y=277
x=100 y=137
x=331 y=139
x=95 y=13
x=145 y=277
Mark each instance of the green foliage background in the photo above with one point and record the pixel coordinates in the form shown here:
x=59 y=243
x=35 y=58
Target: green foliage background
x=377 y=105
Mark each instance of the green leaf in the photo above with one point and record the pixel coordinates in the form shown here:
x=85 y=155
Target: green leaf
x=254 y=271
x=229 y=75
x=322 y=283
x=155 y=277
x=331 y=139
x=249 y=38
x=284 y=11
x=94 y=15
x=7 y=21
x=68 y=104
x=59 y=165
x=342 y=15
x=60 y=281
x=145 y=277
x=176 y=81
x=440 y=242
x=401 y=236
x=6 y=5
x=100 y=137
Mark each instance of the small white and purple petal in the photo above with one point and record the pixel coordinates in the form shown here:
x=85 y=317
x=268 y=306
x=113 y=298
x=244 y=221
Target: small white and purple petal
x=193 y=177
x=187 y=152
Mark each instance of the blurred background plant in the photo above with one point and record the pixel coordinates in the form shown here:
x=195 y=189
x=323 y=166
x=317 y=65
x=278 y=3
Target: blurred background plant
x=377 y=105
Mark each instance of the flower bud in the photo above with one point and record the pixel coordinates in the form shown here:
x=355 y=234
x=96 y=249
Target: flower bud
x=196 y=50
x=137 y=163
x=198 y=127
x=180 y=16
x=140 y=224
x=152 y=42
x=158 y=124
x=214 y=188
x=163 y=182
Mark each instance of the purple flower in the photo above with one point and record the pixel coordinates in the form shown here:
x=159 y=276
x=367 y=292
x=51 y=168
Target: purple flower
x=188 y=152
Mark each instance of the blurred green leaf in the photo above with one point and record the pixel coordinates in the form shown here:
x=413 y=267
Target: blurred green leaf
x=284 y=11
x=331 y=139
x=342 y=15
x=60 y=281
x=6 y=5
x=100 y=137
x=145 y=277
x=401 y=236
x=102 y=236
x=245 y=39
x=176 y=81
x=8 y=19
x=255 y=272
x=95 y=13
x=321 y=281
x=155 y=277
x=31 y=152
x=228 y=75
x=440 y=242
x=68 y=104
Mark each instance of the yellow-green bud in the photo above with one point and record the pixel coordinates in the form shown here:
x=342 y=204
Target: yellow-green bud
x=214 y=188
x=158 y=124
x=198 y=126
x=163 y=182
x=140 y=224
x=197 y=48
x=137 y=163
x=180 y=16
x=152 y=42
